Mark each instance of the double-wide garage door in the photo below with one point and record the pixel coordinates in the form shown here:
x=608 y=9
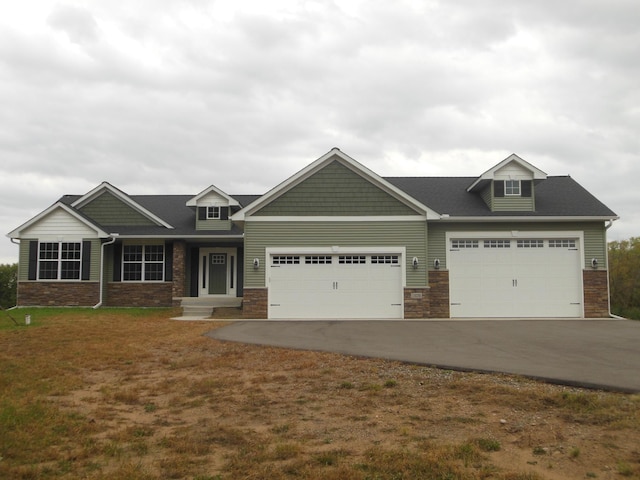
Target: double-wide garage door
x=515 y=277
x=335 y=286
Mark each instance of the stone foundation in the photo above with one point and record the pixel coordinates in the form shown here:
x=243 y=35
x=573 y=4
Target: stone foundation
x=439 y=294
x=416 y=303
x=58 y=294
x=178 y=272
x=139 y=294
x=596 y=293
x=254 y=303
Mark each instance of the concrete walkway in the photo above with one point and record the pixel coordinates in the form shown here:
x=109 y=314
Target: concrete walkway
x=587 y=353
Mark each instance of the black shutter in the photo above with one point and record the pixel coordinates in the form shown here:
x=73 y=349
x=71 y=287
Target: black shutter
x=86 y=260
x=525 y=185
x=33 y=260
x=224 y=213
x=498 y=188
x=202 y=213
x=168 y=262
x=117 y=262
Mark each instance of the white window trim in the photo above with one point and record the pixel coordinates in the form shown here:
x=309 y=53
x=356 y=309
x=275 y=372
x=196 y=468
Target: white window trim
x=144 y=263
x=516 y=182
x=59 y=260
x=213 y=213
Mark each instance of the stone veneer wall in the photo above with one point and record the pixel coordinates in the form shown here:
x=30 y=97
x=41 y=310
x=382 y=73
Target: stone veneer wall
x=439 y=294
x=596 y=293
x=254 y=303
x=416 y=303
x=58 y=294
x=179 y=278
x=139 y=294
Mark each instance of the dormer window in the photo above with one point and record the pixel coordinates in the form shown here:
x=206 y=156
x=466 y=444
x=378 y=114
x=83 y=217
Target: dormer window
x=512 y=188
x=213 y=213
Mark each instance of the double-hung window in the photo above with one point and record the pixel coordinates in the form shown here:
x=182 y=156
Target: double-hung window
x=143 y=263
x=512 y=187
x=59 y=260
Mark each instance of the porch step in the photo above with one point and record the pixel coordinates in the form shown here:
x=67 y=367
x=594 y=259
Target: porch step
x=197 y=311
x=194 y=308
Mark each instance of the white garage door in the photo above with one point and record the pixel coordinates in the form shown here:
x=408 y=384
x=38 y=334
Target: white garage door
x=515 y=277
x=335 y=286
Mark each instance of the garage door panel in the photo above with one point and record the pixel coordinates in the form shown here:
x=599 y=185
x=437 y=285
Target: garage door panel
x=342 y=287
x=527 y=278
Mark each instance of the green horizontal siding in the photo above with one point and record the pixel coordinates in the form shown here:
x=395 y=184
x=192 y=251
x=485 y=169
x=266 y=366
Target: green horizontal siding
x=213 y=224
x=335 y=190
x=595 y=245
x=260 y=235
x=110 y=210
x=513 y=204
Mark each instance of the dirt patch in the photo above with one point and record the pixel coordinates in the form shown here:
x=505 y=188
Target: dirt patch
x=179 y=404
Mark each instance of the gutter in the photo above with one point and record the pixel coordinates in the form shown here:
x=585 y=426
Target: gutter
x=113 y=237
x=607 y=227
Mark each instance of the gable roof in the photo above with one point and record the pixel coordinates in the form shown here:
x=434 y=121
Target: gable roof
x=489 y=174
x=192 y=202
x=57 y=206
x=123 y=197
x=335 y=154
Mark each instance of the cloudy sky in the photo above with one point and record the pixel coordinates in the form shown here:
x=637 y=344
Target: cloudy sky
x=170 y=96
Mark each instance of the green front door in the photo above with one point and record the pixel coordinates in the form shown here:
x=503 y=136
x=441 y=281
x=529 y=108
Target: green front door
x=218 y=273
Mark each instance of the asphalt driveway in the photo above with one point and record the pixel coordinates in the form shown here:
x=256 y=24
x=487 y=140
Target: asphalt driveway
x=589 y=353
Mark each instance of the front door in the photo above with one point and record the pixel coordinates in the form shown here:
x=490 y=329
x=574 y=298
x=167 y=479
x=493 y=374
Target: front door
x=218 y=271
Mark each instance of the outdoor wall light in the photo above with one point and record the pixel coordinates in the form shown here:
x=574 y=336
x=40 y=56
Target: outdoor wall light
x=415 y=262
x=594 y=263
x=256 y=263
x=436 y=264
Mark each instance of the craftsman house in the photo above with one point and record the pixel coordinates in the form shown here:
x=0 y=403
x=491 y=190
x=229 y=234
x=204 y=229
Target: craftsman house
x=333 y=241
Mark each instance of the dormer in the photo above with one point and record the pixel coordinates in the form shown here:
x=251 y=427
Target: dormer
x=509 y=186
x=213 y=209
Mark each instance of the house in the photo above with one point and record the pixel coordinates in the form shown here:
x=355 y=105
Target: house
x=333 y=241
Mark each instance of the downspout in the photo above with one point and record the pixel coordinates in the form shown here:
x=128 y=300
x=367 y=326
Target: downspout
x=607 y=227
x=110 y=242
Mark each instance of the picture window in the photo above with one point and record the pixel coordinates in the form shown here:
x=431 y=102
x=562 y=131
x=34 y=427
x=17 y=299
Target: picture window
x=59 y=260
x=143 y=263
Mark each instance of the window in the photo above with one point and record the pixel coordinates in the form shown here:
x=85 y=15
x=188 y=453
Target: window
x=59 y=260
x=381 y=259
x=352 y=259
x=143 y=263
x=497 y=244
x=458 y=244
x=213 y=213
x=512 y=187
x=317 y=259
x=562 y=243
x=285 y=260
x=530 y=243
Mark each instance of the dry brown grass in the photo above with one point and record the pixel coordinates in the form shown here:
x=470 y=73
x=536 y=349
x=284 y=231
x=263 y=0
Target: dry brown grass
x=130 y=394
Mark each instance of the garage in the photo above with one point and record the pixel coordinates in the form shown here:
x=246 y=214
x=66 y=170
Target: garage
x=344 y=286
x=515 y=277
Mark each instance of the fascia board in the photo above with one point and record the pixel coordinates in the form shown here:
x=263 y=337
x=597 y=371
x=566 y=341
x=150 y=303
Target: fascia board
x=16 y=233
x=446 y=218
x=124 y=198
x=330 y=218
x=212 y=188
x=174 y=237
x=318 y=165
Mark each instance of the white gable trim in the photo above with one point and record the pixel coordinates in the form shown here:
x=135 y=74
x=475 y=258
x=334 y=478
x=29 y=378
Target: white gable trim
x=193 y=202
x=105 y=186
x=59 y=205
x=320 y=163
x=489 y=174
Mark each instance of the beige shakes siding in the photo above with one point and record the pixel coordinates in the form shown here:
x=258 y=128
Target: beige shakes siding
x=594 y=236
x=335 y=191
x=409 y=234
x=109 y=210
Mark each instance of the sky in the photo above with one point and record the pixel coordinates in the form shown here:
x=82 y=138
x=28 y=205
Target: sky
x=171 y=96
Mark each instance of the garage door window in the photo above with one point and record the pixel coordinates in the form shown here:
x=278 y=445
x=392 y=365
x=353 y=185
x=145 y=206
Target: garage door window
x=352 y=259
x=562 y=243
x=317 y=259
x=497 y=244
x=385 y=259
x=285 y=260
x=530 y=243
x=458 y=244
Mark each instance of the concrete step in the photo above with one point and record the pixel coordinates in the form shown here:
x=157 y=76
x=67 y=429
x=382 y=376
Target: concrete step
x=197 y=311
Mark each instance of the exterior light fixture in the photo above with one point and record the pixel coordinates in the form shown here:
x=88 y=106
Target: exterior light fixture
x=436 y=264
x=415 y=262
x=256 y=263
x=594 y=263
